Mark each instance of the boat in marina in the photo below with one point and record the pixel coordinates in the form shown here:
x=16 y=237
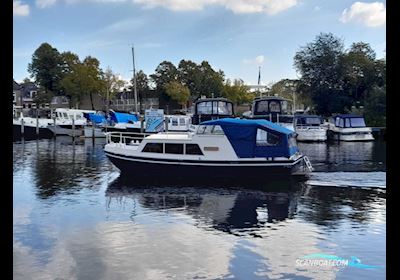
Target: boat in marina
x=218 y=148
x=206 y=109
x=29 y=127
x=348 y=127
x=272 y=108
x=310 y=128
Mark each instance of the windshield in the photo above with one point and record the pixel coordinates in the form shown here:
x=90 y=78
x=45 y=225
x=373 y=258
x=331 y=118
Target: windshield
x=357 y=122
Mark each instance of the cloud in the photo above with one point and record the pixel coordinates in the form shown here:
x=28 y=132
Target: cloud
x=370 y=14
x=45 y=3
x=270 y=7
x=258 y=60
x=48 y=3
x=20 y=9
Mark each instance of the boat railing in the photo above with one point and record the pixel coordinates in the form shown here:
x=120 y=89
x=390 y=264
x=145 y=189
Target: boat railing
x=127 y=138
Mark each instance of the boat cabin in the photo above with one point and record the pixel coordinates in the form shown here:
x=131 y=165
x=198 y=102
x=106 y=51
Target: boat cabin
x=347 y=121
x=308 y=120
x=206 y=109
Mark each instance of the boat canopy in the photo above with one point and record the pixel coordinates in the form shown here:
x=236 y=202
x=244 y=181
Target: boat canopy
x=257 y=138
x=95 y=118
x=308 y=120
x=123 y=117
x=349 y=120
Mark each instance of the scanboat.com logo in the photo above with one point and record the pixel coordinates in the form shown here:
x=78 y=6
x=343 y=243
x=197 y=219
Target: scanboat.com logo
x=332 y=260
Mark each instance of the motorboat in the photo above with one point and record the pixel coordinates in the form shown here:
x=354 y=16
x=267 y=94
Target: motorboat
x=218 y=148
x=272 y=108
x=349 y=127
x=310 y=128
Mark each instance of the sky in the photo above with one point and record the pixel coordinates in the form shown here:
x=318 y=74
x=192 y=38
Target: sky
x=236 y=36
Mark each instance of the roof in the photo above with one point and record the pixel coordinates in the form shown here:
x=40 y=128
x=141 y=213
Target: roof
x=249 y=123
x=213 y=99
x=347 y=116
x=16 y=86
x=271 y=98
x=306 y=116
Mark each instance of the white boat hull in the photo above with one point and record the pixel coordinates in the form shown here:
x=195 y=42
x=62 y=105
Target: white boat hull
x=311 y=134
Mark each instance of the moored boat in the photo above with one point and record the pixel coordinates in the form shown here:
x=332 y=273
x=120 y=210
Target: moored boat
x=309 y=128
x=219 y=148
x=349 y=127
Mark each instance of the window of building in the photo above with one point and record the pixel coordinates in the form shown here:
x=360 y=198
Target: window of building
x=174 y=149
x=193 y=149
x=33 y=93
x=153 y=148
x=14 y=97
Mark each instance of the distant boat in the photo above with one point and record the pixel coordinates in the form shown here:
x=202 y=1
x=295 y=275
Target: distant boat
x=273 y=109
x=349 y=127
x=309 y=128
x=219 y=148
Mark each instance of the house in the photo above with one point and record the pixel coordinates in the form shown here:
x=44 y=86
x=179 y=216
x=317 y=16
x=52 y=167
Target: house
x=24 y=94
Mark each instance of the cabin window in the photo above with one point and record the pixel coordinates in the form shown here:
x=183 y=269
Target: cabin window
x=274 y=107
x=341 y=123
x=347 y=122
x=174 y=149
x=313 y=121
x=337 y=122
x=204 y=108
x=261 y=107
x=201 y=129
x=357 y=122
x=217 y=130
x=223 y=108
x=153 y=148
x=174 y=122
x=182 y=121
x=193 y=149
x=265 y=138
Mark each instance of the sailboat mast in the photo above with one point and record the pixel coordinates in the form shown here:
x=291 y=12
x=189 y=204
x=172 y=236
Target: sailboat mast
x=134 y=80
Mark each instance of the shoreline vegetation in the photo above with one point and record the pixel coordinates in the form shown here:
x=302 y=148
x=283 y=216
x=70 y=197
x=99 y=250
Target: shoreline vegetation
x=332 y=80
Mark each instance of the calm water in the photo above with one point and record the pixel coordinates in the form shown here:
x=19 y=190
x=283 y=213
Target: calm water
x=75 y=218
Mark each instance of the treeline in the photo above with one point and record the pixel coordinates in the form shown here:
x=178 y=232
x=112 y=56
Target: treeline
x=333 y=80
x=65 y=74
x=342 y=81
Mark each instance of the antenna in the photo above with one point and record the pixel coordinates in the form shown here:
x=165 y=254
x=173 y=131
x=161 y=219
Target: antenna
x=134 y=79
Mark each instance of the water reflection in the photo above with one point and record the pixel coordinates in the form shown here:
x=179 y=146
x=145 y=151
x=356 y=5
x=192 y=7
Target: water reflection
x=346 y=156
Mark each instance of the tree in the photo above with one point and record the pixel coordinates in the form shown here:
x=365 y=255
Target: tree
x=375 y=107
x=359 y=71
x=165 y=72
x=237 y=92
x=189 y=74
x=178 y=92
x=45 y=67
x=84 y=78
x=290 y=89
x=321 y=69
x=142 y=86
x=211 y=82
x=112 y=84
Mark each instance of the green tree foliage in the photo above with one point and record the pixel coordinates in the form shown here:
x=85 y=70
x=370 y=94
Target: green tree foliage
x=359 y=71
x=210 y=82
x=112 y=84
x=45 y=67
x=375 y=107
x=321 y=69
x=237 y=92
x=165 y=72
x=178 y=92
x=189 y=74
x=84 y=78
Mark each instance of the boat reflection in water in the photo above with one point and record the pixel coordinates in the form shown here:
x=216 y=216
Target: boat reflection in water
x=229 y=208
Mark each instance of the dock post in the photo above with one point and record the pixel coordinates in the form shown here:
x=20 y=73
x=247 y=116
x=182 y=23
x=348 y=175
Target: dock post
x=277 y=118
x=37 y=122
x=54 y=122
x=166 y=121
x=22 y=126
x=141 y=124
x=73 y=127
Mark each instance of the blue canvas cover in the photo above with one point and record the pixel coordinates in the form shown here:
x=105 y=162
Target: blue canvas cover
x=242 y=134
x=95 y=118
x=123 y=117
